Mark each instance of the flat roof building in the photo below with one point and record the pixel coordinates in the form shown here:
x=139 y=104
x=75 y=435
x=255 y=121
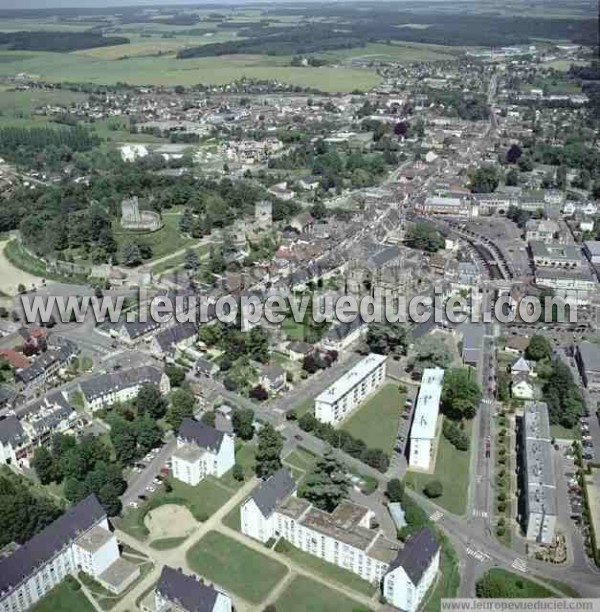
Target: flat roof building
x=335 y=403
x=539 y=483
x=422 y=433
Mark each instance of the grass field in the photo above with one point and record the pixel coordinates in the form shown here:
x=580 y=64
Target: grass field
x=562 y=433
x=452 y=469
x=167 y=543
x=235 y=567
x=300 y=459
x=304 y=594
x=402 y=53
x=202 y=501
x=376 y=422
x=164 y=241
x=326 y=570
x=517 y=586
x=167 y=70
x=177 y=260
x=64 y=598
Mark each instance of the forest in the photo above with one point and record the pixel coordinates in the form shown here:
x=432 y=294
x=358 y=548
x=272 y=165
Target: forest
x=356 y=28
x=57 y=41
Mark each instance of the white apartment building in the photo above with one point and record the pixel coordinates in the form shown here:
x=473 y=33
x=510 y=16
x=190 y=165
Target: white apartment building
x=539 y=492
x=80 y=540
x=343 y=537
x=335 y=403
x=201 y=451
x=412 y=572
x=177 y=592
x=422 y=433
x=106 y=389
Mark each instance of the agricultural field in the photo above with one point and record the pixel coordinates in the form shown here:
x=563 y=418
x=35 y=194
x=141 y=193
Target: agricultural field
x=394 y=52
x=80 y=67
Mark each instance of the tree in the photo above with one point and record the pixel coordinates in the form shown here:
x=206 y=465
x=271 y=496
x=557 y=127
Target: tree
x=176 y=375
x=242 y=421
x=327 y=485
x=191 y=261
x=209 y=418
x=259 y=393
x=44 y=465
x=433 y=489
x=109 y=499
x=238 y=472
x=268 y=453
x=460 y=394
x=148 y=433
x=432 y=352
x=513 y=154
x=124 y=441
x=387 y=338
x=257 y=345
x=150 y=401
x=424 y=237
x=395 y=490
x=484 y=180
x=401 y=129
x=538 y=348
x=131 y=254
x=182 y=406
x=512 y=177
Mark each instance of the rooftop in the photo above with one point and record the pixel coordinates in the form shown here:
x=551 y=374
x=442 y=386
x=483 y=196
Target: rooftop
x=186 y=592
x=344 y=384
x=416 y=555
x=428 y=404
x=94 y=539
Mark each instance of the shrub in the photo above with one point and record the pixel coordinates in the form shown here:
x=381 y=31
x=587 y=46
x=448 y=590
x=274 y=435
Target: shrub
x=433 y=489
x=455 y=435
x=238 y=472
x=501 y=506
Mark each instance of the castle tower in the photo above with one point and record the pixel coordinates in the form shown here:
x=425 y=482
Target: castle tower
x=263 y=213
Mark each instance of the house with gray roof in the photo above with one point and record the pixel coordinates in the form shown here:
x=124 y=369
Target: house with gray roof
x=13 y=440
x=46 y=416
x=175 y=591
x=412 y=571
x=472 y=342
x=165 y=342
x=121 y=386
x=201 y=451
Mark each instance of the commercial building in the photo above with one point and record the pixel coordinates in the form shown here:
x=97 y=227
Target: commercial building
x=422 y=432
x=537 y=472
x=106 y=389
x=542 y=230
x=554 y=255
x=335 y=403
x=80 y=540
x=201 y=451
x=176 y=592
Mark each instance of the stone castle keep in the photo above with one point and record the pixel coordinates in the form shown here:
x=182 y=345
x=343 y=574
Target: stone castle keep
x=134 y=218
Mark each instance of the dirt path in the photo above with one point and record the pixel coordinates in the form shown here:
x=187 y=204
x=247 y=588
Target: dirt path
x=11 y=277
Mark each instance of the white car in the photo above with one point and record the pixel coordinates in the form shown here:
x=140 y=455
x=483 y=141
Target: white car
x=133 y=504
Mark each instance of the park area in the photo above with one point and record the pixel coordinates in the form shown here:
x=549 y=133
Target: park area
x=304 y=594
x=235 y=567
x=376 y=421
x=452 y=470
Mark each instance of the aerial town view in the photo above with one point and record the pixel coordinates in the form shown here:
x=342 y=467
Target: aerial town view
x=299 y=305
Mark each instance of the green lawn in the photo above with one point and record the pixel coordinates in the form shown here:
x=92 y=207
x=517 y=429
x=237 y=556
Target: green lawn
x=304 y=595
x=245 y=455
x=376 y=422
x=324 y=569
x=301 y=459
x=64 y=598
x=452 y=469
x=515 y=585
x=235 y=567
x=202 y=501
x=177 y=261
x=303 y=407
x=562 y=433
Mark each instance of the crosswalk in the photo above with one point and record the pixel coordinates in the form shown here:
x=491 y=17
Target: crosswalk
x=436 y=516
x=520 y=565
x=478 y=554
x=480 y=514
